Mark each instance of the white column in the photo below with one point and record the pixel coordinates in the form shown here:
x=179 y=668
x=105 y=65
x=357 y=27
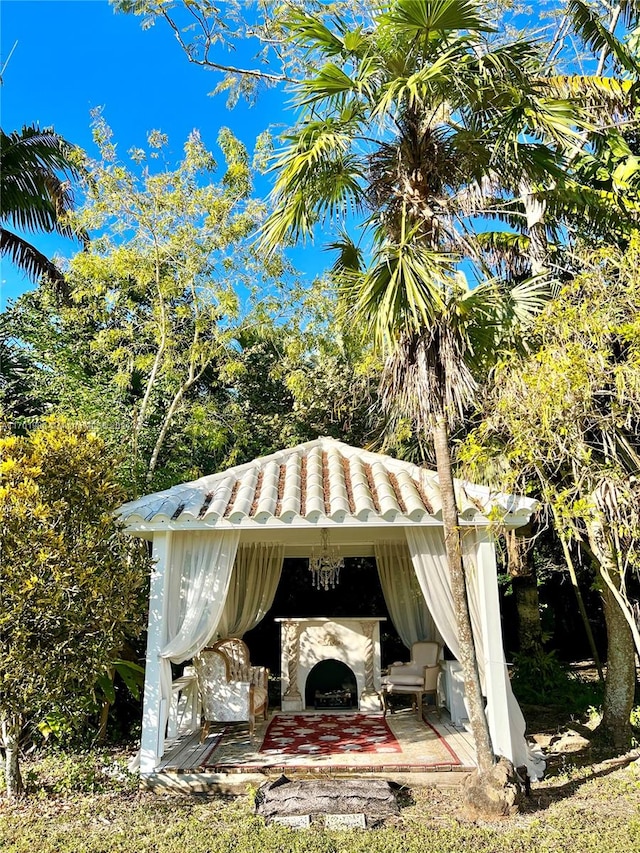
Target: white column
x=152 y=741
x=495 y=669
x=292 y=700
x=369 y=699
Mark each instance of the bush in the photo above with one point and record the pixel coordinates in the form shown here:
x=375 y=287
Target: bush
x=60 y=772
x=541 y=679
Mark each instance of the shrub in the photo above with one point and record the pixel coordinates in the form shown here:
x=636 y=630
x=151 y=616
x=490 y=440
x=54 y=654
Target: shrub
x=541 y=679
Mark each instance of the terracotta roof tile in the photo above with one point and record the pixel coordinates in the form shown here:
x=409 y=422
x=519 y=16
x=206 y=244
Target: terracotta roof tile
x=321 y=479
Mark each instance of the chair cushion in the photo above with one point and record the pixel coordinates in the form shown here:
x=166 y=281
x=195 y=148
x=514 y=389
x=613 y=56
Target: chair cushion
x=409 y=680
x=403 y=688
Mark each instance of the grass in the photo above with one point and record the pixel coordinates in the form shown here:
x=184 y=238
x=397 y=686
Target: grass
x=89 y=804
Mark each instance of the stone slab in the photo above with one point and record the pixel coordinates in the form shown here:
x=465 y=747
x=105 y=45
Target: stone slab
x=345 y=821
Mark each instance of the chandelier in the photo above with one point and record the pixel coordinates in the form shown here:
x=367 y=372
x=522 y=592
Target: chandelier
x=325 y=566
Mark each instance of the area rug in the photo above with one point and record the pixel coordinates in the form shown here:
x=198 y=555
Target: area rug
x=337 y=742
x=328 y=734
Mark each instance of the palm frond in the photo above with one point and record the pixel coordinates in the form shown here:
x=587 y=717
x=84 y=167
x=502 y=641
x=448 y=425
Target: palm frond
x=27 y=258
x=333 y=85
x=495 y=315
x=308 y=31
x=402 y=291
x=431 y=18
x=606 y=211
x=317 y=177
x=504 y=249
x=606 y=94
x=435 y=83
x=35 y=171
x=350 y=257
x=330 y=81
x=587 y=23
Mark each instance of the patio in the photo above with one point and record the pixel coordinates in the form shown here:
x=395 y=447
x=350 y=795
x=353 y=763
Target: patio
x=433 y=751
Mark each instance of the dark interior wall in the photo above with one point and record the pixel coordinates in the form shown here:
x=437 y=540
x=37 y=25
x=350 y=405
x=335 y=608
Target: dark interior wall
x=358 y=594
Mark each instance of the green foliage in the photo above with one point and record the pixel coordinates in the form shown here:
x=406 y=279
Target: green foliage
x=541 y=679
x=180 y=344
x=145 y=348
x=92 y=772
x=80 y=811
x=72 y=585
x=564 y=420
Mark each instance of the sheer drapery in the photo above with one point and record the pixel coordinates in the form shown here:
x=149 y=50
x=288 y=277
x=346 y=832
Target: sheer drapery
x=428 y=554
x=254 y=581
x=199 y=569
x=402 y=594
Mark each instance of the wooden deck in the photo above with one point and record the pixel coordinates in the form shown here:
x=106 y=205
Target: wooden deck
x=228 y=761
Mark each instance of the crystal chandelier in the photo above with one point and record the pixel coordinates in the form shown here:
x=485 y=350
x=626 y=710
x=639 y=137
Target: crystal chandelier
x=325 y=566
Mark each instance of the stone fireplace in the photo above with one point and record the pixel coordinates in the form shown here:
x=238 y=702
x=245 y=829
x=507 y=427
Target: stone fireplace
x=305 y=642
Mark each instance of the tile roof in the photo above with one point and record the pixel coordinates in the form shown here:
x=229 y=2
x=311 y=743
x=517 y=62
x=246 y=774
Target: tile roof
x=321 y=481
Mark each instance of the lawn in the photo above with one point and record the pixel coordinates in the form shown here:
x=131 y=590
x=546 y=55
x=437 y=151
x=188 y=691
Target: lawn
x=87 y=804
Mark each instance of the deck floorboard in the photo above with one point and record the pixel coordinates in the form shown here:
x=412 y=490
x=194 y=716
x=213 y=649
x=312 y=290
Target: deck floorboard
x=188 y=759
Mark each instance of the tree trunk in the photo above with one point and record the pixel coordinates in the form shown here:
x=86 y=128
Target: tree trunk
x=468 y=659
x=621 y=675
x=621 y=666
x=525 y=589
x=10 y=740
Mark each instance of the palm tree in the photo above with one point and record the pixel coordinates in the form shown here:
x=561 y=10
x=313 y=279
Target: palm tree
x=36 y=167
x=408 y=123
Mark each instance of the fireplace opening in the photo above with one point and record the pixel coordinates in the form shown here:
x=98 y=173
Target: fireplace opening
x=331 y=684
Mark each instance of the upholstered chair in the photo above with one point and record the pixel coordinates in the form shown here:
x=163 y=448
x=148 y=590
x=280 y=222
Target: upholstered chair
x=417 y=678
x=231 y=689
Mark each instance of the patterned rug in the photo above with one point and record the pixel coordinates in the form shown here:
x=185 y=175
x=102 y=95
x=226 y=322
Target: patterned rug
x=332 y=742
x=326 y=734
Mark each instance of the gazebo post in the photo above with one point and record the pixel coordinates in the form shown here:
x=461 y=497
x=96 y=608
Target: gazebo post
x=494 y=666
x=152 y=741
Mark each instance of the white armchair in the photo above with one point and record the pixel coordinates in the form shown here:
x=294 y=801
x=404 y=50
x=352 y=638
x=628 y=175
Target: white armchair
x=230 y=688
x=418 y=677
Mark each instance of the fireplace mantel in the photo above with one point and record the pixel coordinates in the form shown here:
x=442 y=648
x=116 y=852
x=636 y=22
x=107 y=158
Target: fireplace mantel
x=354 y=641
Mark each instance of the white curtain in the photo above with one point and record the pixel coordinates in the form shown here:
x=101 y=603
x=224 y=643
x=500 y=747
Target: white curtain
x=428 y=554
x=254 y=581
x=402 y=594
x=199 y=569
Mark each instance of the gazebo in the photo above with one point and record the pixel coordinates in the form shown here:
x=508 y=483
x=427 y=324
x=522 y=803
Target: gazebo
x=218 y=544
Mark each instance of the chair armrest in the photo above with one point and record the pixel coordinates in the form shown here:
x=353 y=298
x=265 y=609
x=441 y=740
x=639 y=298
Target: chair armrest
x=260 y=676
x=431 y=675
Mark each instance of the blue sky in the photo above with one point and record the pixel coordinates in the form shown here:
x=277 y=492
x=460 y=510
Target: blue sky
x=74 y=55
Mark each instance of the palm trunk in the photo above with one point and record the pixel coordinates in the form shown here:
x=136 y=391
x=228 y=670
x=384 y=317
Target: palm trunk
x=468 y=659
x=538 y=244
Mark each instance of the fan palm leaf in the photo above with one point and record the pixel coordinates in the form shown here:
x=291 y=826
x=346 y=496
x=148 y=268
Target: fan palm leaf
x=36 y=167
